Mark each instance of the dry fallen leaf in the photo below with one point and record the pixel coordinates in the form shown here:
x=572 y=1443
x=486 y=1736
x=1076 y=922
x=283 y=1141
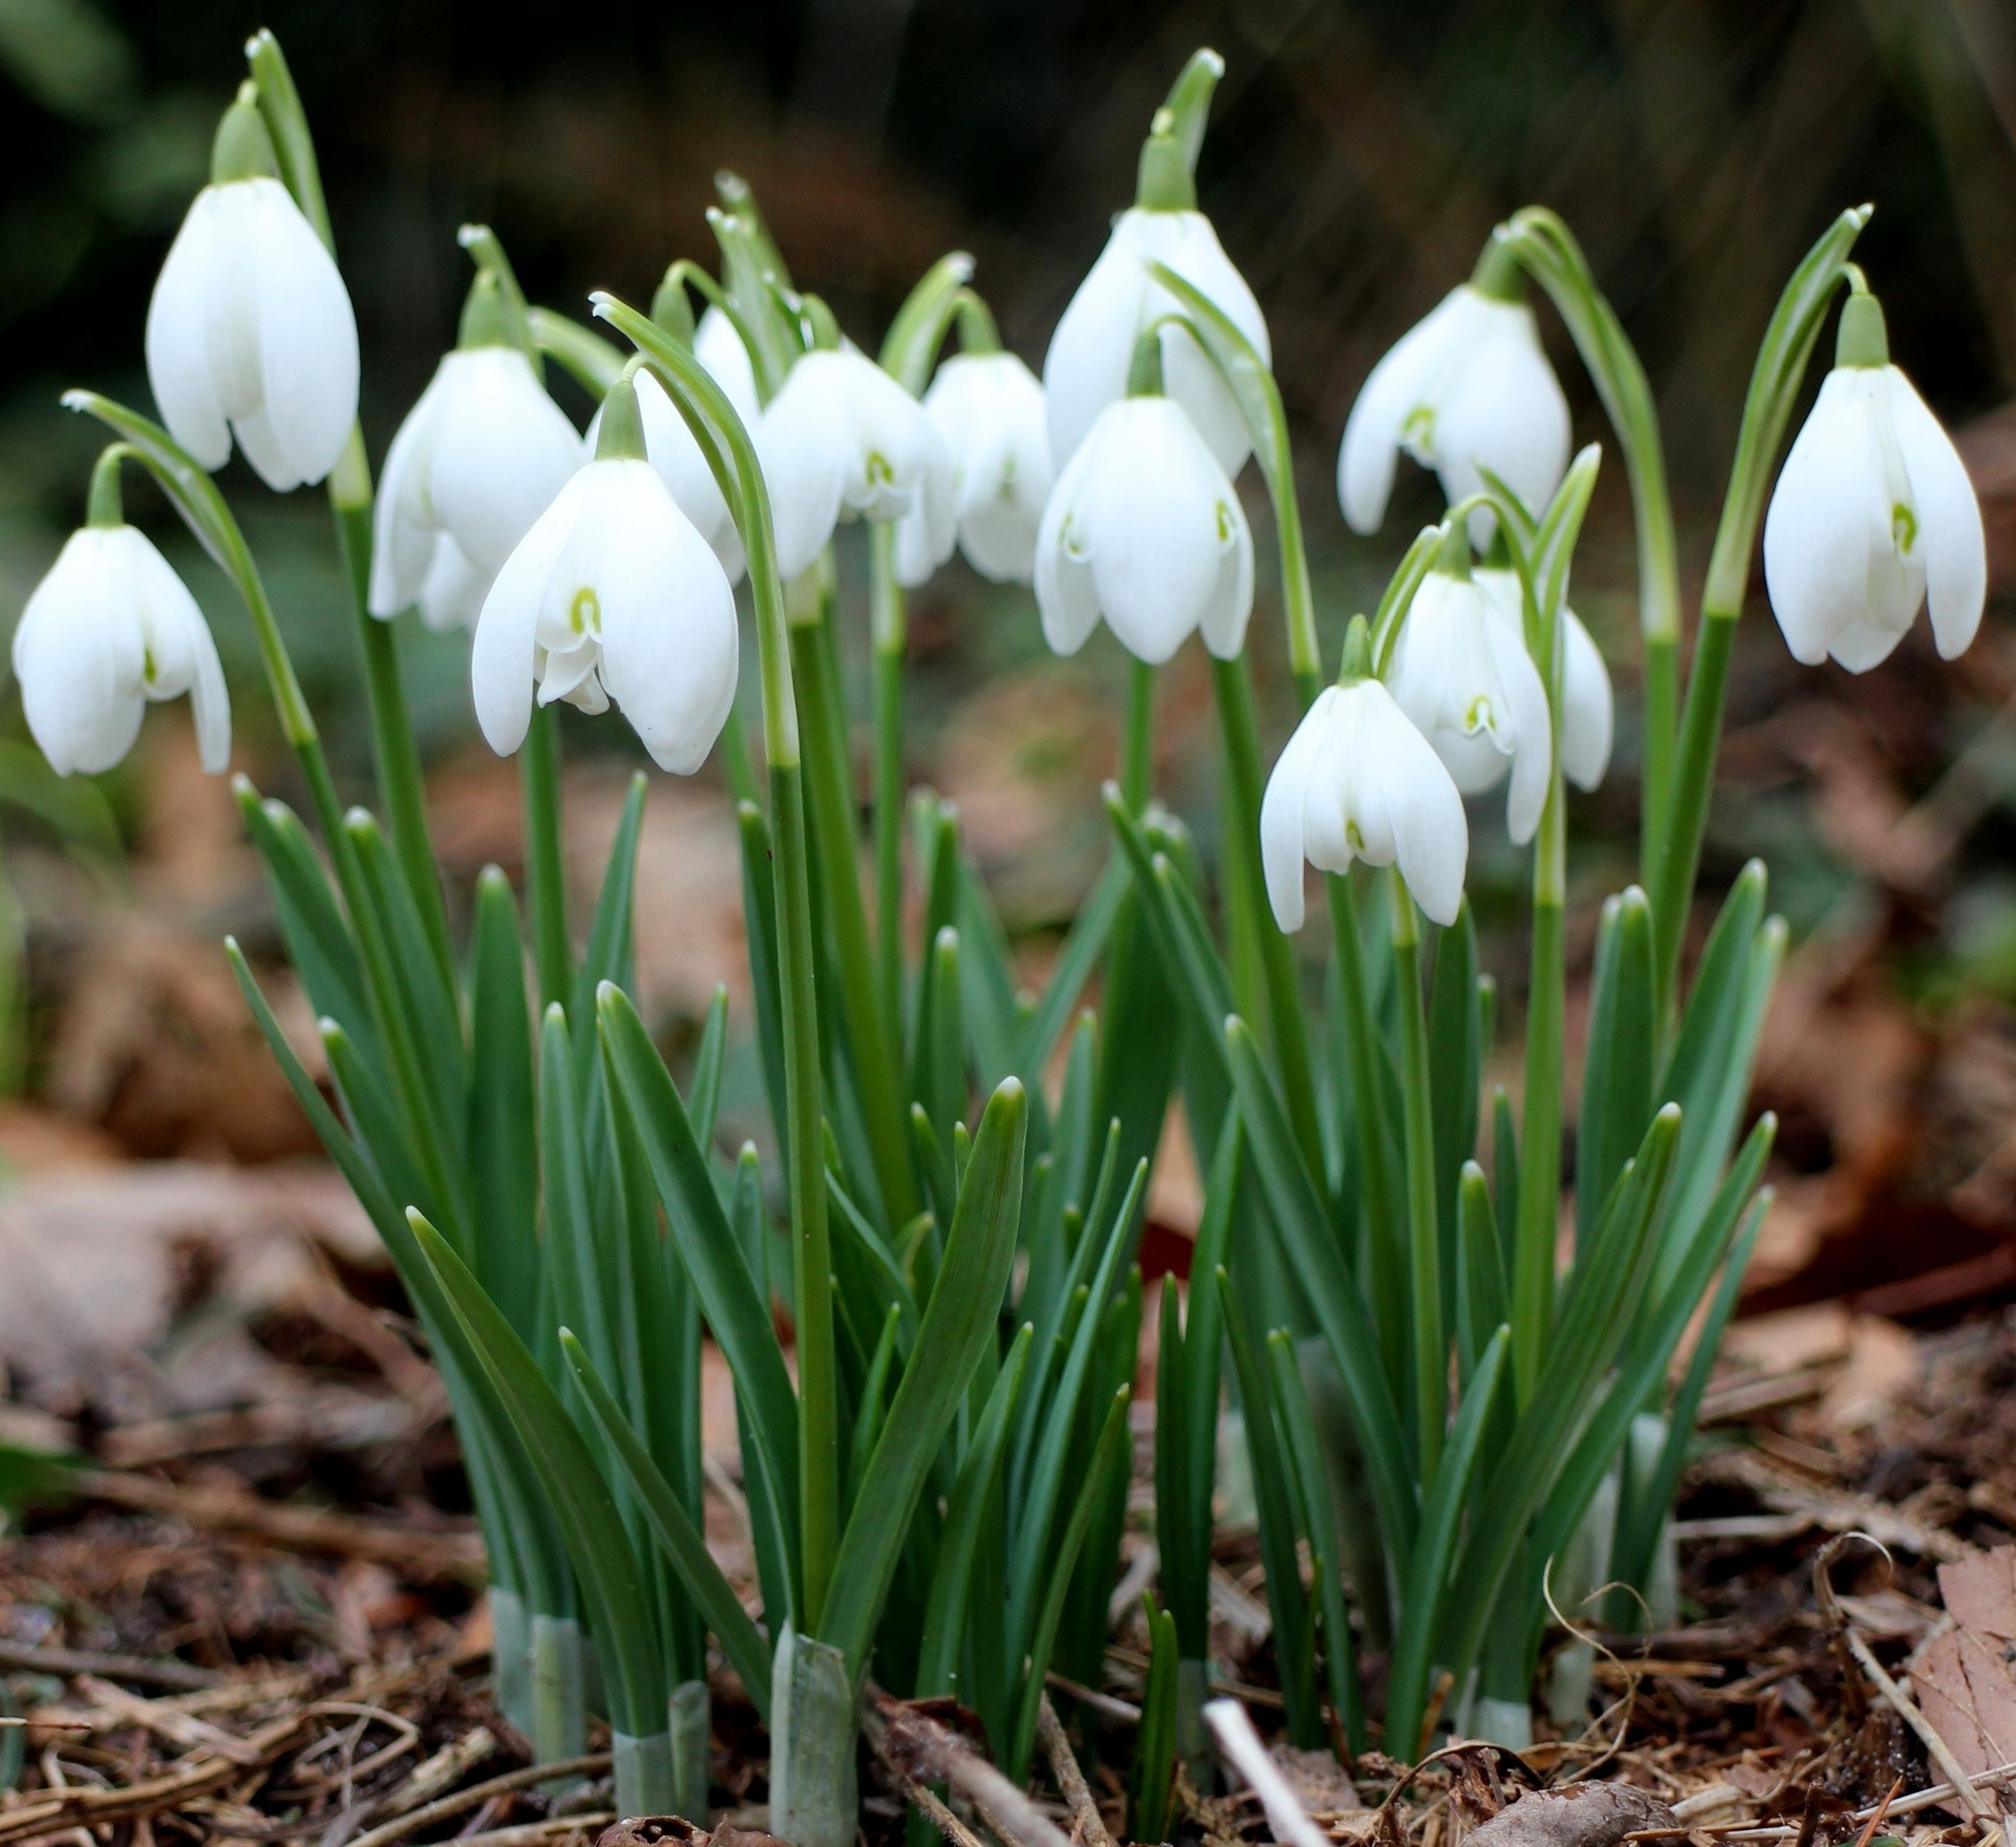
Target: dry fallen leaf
x=1966 y=1678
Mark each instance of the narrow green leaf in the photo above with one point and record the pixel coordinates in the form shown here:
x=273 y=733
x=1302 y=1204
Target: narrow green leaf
x=1617 y=1099
x=608 y=957
x=503 y=1144
x=1084 y=944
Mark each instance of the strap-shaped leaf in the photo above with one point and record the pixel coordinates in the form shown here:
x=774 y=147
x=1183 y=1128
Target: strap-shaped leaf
x=912 y=343
x=611 y=936
x=684 y=1545
x=320 y=948
x=503 y=1142
x=1617 y=1070
x=759 y=914
x=1456 y=1064
x=709 y=1062
x=1084 y=944
x=980 y=1250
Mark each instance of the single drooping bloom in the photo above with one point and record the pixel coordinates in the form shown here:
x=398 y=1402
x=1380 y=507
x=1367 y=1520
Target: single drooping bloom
x=110 y=627
x=1086 y=368
x=989 y=409
x=1873 y=517
x=612 y=598
x=1465 y=390
x=1589 y=707
x=1465 y=678
x=1143 y=528
x=1359 y=781
x=478 y=458
x=842 y=437
x=250 y=332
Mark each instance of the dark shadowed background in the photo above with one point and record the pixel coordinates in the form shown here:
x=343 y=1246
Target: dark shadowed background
x=1359 y=156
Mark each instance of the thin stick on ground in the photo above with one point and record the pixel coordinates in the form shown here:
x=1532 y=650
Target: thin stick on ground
x=398 y=1829
x=1088 y=1824
x=1936 y=1747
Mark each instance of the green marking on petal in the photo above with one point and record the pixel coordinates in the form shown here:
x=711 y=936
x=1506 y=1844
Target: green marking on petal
x=1903 y=527
x=1417 y=434
x=879 y=471
x=149 y=667
x=1353 y=839
x=1224 y=513
x=585 y=613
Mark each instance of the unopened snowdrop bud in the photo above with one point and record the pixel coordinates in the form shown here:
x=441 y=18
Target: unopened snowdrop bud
x=988 y=407
x=1359 y=781
x=1465 y=678
x=1465 y=390
x=1143 y=528
x=842 y=437
x=110 y=627
x=1087 y=365
x=478 y=458
x=1874 y=514
x=1588 y=706
x=613 y=597
x=250 y=332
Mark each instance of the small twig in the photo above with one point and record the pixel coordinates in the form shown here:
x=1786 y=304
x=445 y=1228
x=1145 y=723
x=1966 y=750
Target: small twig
x=1104 y=1704
x=592 y=1765
x=448 y=1766
x=1088 y=1824
x=524 y=1833
x=912 y=1743
x=176 y=1677
x=1936 y=1747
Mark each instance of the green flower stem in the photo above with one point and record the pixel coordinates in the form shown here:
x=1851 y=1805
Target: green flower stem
x=395 y=754
x=830 y=797
x=1540 y=1128
x=1774 y=385
x=888 y=630
x=545 y=865
x=1232 y=681
x=1424 y=1225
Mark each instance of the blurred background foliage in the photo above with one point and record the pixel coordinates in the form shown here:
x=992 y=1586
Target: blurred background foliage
x=1359 y=156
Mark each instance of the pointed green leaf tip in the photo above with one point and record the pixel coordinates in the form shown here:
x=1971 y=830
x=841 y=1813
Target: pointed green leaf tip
x=1167 y=179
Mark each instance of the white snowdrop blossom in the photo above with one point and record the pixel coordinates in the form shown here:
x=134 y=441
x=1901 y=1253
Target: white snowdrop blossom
x=110 y=627
x=989 y=409
x=718 y=344
x=250 y=334
x=1087 y=366
x=1469 y=388
x=1588 y=706
x=1143 y=528
x=1359 y=781
x=1463 y=676
x=612 y=598
x=478 y=458
x=1874 y=516
x=841 y=437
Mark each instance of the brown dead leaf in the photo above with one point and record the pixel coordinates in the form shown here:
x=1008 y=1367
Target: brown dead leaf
x=1966 y=1678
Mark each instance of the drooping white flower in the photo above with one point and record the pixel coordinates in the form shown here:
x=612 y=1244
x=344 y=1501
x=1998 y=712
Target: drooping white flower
x=613 y=597
x=250 y=332
x=1086 y=368
x=478 y=458
x=671 y=448
x=1359 y=781
x=110 y=627
x=1588 y=706
x=841 y=437
x=1463 y=676
x=1874 y=515
x=1468 y=388
x=989 y=409
x=1143 y=528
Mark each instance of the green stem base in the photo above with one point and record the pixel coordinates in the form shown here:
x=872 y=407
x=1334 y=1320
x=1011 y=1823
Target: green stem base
x=645 y=1781
x=814 y=1797
x=560 y=1706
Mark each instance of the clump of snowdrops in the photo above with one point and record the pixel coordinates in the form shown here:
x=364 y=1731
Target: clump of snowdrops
x=1460 y=1415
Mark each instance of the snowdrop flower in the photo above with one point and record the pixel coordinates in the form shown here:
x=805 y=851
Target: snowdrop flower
x=1119 y=300
x=612 y=598
x=110 y=627
x=1143 y=528
x=1467 y=389
x=841 y=437
x=1589 y=707
x=988 y=407
x=478 y=459
x=1463 y=675
x=1874 y=514
x=1358 y=781
x=250 y=333
x=671 y=448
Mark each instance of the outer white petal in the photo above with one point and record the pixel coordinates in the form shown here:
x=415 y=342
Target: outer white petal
x=308 y=338
x=669 y=653
x=1423 y=811
x=1828 y=525
x=501 y=659
x=1223 y=622
x=1949 y=533
x=1589 y=707
x=1532 y=762
x=452 y=593
x=402 y=520
x=1086 y=369
x=718 y=347
x=177 y=339
x=1282 y=809
x=1187 y=242
x=501 y=450
x=990 y=410
x=1394 y=388
x=1067 y=598
x=684 y=470
x=1500 y=407
x=79 y=654
x=183 y=651
x=803 y=440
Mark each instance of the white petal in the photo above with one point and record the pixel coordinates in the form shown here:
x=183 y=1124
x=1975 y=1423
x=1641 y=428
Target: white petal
x=718 y=347
x=1589 y=707
x=79 y=654
x=501 y=660
x=1431 y=837
x=501 y=450
x=1394 y=388
x=402 y=543
x=1086 y=369
x=1281 y=810
x=675 y=453
x=1066 y=597
x=1949 y=533
x=1501 y=408
x=178 y=342
x=803 y=440
x=1223 y=622
x=307 y=339
x=452 y=593
x=1532 y=761
x=183 y=653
